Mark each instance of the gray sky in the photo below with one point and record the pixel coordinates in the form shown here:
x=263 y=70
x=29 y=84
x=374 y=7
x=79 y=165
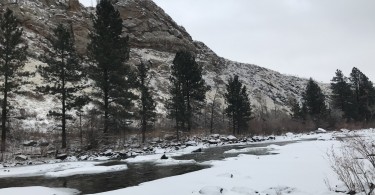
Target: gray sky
x=308 y=38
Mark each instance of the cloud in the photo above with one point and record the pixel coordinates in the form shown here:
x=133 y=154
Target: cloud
x=305 y=38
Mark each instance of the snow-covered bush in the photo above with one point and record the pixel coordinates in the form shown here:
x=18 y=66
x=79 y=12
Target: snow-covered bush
x=354 y=164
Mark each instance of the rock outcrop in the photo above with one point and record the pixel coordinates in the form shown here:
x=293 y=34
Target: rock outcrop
x=154 y=37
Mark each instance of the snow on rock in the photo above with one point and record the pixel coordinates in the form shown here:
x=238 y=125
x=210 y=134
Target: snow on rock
x=213 y=141
x=232 y=138
x=86 y=170
x=30 y=143
x=101 y=158
x=21 y=157
x=289 y=134
x=248 y=150
x=38 y=190
x=321 y=130
x=191 y=143
x=215 y=136
x=212 y=190
x=171 y=161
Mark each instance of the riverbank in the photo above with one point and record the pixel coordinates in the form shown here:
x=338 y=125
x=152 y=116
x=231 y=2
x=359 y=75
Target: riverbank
x=291 y=168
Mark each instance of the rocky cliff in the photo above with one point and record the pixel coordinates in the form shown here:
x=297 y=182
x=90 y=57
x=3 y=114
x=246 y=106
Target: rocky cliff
x=155 y=37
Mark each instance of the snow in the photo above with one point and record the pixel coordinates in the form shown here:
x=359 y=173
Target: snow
x=155 y=158
x=36 y=170
x=101 y=158
x=299 y=168
x=38 y=190
x=252 y=149
x=321 y=130
x=59 y=169
x=86 y=170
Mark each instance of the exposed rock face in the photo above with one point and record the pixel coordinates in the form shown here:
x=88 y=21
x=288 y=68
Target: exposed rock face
x=154 y=37
x=74 y=5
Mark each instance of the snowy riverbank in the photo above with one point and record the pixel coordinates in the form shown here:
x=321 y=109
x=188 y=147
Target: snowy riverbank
x=296 y=168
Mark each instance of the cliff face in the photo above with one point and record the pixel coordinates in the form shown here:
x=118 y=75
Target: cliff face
x=154 y=36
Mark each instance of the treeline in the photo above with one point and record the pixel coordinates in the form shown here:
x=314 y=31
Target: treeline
x=122 y=93
x=351 y=102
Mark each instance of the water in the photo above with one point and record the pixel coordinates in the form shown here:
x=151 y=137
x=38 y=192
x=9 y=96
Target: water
x=218 y=153
x=135 y=174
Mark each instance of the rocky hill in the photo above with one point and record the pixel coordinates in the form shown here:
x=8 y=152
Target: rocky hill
x=155 y=37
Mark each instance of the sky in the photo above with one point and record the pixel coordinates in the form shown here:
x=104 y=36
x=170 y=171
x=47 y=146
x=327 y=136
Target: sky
x=306 y=38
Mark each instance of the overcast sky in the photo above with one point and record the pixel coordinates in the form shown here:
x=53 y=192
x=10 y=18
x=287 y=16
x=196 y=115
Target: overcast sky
x=308 y=38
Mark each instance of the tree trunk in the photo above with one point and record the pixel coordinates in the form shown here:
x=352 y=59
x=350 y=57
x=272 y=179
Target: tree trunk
x=80 y=129
x=63 y=118
x=177 y=127
x=106 y=103
x=188 y=108
x=212 y=114
x=144 y=128
x=4 y=115
x=234 y=123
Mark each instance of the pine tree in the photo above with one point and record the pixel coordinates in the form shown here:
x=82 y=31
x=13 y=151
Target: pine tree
x=12 y=60
x=364 y=94
x=342 y=96
x=188 y=88
x=296 y=110
x=314 y=100
x=147 y=112
x=238 y=105
x=176 y=105
x=113 y=79
x=63 y=72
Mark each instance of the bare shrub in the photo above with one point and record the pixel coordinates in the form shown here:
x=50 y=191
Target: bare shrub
x=354 y=164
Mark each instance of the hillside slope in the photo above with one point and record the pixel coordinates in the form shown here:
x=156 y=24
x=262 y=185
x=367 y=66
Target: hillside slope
x=155 y=37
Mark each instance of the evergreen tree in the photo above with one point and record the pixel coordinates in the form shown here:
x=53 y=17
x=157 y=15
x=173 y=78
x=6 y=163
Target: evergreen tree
x=364 y=94
x=314 y=100
x=342 y=97
x=238 y=105
x=188 y=88
x=109 y=50
x=12 y=60
x=176 y=105
x=147 y=112
x=63 y=72
x=296 y=111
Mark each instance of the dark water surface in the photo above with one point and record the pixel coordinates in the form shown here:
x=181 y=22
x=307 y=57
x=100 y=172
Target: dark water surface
x=135 y=174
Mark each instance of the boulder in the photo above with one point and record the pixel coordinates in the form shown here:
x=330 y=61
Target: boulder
x=213 y=141
x=43 y=143
x=190 y=143
x=30 y=143
x=21 y=157
x=62 y=156
x=320 y=130
x=164 y=157
x=108 y=152
x=215 y=136
x=232 y=138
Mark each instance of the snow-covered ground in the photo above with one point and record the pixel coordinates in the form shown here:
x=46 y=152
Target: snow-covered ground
x=299 y=168
x=296 y=168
